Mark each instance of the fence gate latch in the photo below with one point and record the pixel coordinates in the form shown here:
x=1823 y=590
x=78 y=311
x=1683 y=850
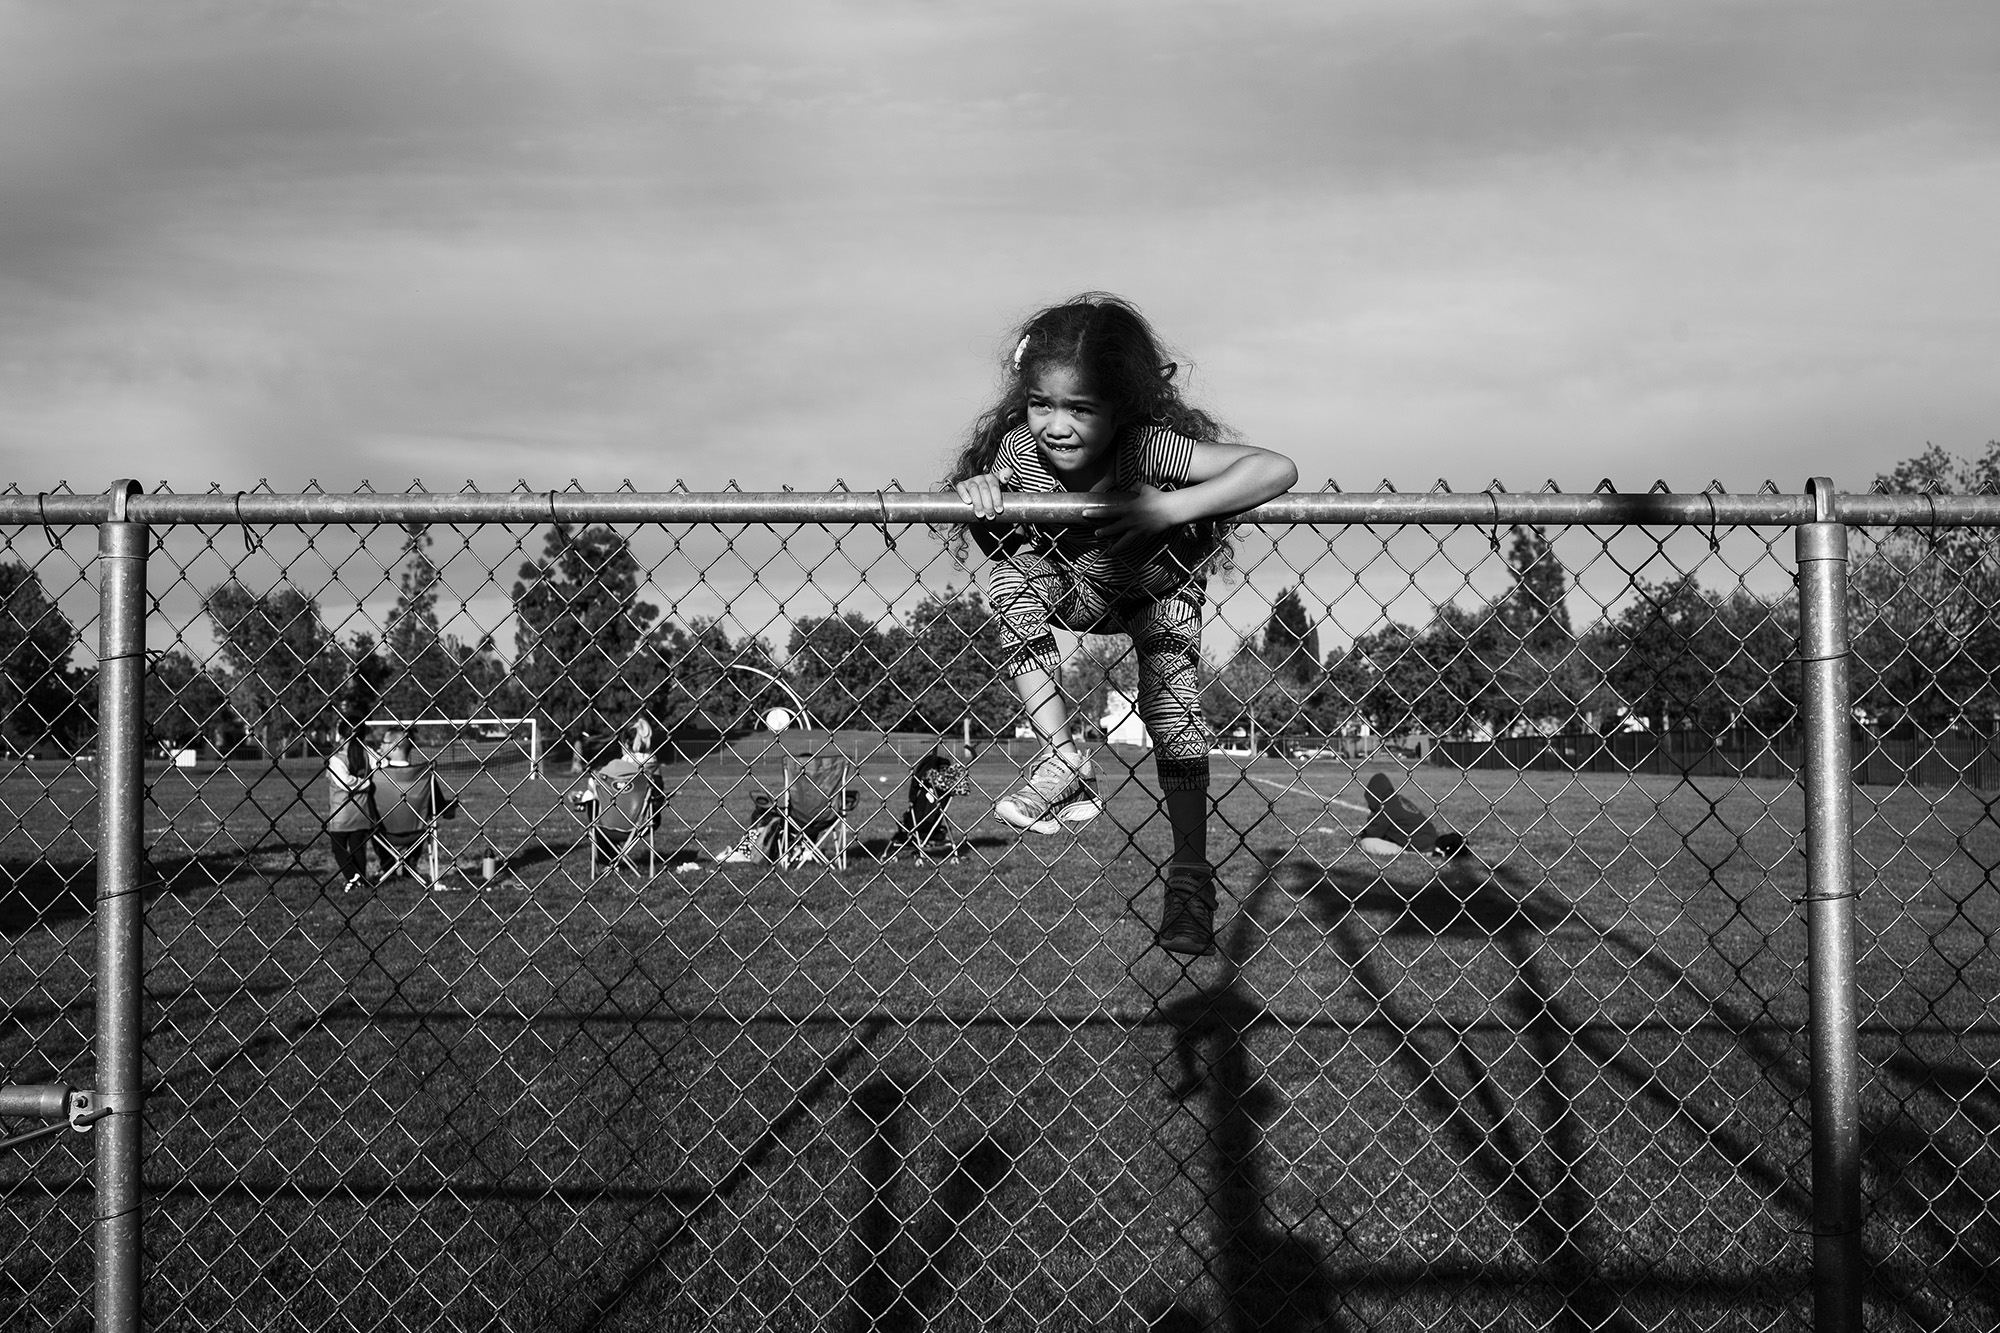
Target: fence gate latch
x=83 y=1109
x=78 y=1108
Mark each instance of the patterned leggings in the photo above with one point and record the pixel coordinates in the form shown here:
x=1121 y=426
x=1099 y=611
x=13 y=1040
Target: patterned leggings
x=1031 y=593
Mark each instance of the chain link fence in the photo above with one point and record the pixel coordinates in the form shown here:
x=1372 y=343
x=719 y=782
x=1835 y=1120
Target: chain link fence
x=1696 y=1035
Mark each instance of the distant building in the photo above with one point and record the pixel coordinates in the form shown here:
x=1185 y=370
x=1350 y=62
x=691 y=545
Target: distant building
x=1121 y=722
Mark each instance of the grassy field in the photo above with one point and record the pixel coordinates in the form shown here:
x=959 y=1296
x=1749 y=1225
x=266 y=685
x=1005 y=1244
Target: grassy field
x=1562 y=1088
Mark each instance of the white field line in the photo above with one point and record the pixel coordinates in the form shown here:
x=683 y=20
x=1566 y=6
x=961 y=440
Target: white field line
x=1300 y=789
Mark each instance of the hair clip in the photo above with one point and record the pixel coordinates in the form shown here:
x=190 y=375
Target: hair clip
x=1020 y=348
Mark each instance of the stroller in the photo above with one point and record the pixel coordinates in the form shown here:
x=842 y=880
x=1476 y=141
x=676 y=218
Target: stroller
x=924 y=832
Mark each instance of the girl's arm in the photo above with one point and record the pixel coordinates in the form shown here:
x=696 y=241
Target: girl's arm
x=1230 y=478
x=1223 y=479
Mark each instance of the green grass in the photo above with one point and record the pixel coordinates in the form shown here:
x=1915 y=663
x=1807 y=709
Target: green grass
x=1568 y=1092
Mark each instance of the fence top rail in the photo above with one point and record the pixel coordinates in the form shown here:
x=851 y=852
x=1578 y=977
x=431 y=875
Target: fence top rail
x=848 y=507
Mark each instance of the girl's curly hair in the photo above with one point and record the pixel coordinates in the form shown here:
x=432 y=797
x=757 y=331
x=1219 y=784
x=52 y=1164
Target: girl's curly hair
x=1112 y=348
x=1114 y=351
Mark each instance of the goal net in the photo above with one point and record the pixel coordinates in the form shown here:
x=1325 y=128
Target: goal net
x=472 y=742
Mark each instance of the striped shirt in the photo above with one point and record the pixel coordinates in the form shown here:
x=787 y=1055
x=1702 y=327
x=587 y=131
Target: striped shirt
x=1149 y=455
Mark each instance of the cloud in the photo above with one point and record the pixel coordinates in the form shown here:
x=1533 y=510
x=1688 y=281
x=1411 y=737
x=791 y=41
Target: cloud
x=780 y=243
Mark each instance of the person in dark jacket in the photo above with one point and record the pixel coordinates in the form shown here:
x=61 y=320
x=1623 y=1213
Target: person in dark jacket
x=1396 y=826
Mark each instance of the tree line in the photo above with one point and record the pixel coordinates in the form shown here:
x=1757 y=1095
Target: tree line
x=590 y=653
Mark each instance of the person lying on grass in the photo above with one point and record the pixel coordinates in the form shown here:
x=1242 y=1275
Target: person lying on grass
x=1089 y=404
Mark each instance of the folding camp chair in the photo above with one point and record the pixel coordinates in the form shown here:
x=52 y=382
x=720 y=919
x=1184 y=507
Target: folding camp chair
x=411 y=804
x=813 y=808
x=414 y=855
x=620 y=807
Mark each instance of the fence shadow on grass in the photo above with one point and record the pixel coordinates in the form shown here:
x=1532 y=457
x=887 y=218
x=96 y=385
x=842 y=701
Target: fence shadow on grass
x=1526 y=1151
x=1526 y=1161
x=618 y=1289
x=48 y=890
x=42 y=893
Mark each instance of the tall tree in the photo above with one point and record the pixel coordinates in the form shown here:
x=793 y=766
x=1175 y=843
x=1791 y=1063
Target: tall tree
x=1536 y=610
x=929 y=672
x=1924 y=607
x=413 y=625
x=947 y=665
x=840 y=665
x=579 y=624
x=185 y=703
x=428 y=674
x=1291 y=641
x=1252 y=691
x=369 y=673
x=1438 y=680
x=1337 y=704
x=1688 y=659
x=285 y=673
x=702 y=682
x=39 y=700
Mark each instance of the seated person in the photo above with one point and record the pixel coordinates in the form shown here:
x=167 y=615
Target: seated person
x=760 y=840
x=409 y=800
x=1395 y=826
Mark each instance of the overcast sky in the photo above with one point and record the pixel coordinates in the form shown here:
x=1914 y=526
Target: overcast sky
x=782 y=242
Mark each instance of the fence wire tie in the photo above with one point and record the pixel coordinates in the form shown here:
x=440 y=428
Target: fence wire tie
x=1827 y=897
x=251 y=542
x=1493 y=537
x=882 y=503
x=1714 y=542
x=42 y=508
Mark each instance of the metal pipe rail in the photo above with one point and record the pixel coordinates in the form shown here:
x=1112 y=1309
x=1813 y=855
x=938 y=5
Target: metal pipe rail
x=895 y=507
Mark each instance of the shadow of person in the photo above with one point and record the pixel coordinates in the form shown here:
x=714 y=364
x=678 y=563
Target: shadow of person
x=1463 y=898
x=1269 y=1276
x=878 y=1300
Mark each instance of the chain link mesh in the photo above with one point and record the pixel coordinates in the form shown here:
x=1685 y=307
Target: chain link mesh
x=47 y=882
x=1560 y=1081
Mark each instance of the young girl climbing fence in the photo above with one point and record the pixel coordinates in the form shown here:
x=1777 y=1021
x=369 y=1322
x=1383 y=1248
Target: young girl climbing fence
x=1091 y=404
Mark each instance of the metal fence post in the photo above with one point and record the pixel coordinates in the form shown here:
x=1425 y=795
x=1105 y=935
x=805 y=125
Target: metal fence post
x=1827 y=776
x=121 y=685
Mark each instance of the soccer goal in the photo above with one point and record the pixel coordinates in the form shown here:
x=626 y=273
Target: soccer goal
x=473 y=742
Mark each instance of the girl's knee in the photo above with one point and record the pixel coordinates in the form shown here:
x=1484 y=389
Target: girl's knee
x=1183 y=772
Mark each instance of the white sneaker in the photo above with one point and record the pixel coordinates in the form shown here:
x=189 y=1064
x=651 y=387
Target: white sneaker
x=1058 y=791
